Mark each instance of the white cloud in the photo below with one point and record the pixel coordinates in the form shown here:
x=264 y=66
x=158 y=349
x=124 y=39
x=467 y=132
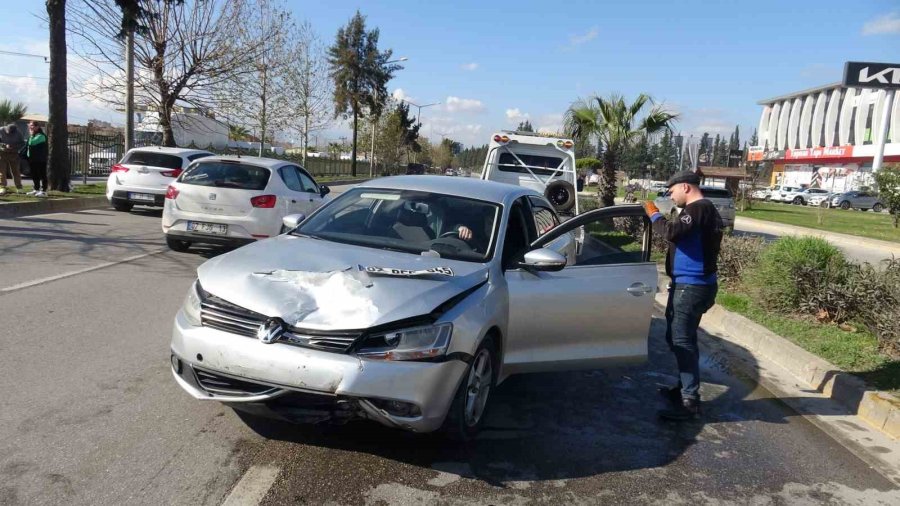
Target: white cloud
x=457 y=104
x=400 y=94
x=886 y=24
x=577 y=40
x=470 y=66
x=550 y=123
x=433 y=127
x=516 y=115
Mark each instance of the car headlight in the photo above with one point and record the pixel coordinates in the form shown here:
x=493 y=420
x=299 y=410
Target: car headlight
x=408 y=344
x=191 y=306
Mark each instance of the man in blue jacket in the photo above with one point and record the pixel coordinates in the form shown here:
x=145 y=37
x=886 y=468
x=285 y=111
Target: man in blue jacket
x=695 y=237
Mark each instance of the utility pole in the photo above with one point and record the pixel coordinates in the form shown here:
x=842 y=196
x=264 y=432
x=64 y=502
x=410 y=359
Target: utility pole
x=129 y=90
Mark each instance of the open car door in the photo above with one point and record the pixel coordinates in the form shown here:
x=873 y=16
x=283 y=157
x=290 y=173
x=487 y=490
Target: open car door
x=594 y=312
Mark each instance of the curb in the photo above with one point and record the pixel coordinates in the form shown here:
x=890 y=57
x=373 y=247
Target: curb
x=880 y=410
x=61 y=205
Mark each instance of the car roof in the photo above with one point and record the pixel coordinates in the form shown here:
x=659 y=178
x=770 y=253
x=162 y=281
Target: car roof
x=170 y=151
x=489 y=191
x=259 y=161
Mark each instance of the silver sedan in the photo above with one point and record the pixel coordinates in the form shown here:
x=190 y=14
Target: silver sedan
x=407 y=300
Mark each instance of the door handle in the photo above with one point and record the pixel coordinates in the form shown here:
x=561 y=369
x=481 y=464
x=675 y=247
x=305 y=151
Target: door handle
x=638 y=289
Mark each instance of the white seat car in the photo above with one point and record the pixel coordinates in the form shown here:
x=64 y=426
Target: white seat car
x=229 y=201
x=811 y=196
x=144 y=175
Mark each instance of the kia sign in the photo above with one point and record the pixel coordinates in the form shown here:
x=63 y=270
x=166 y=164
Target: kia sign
x=885 y=76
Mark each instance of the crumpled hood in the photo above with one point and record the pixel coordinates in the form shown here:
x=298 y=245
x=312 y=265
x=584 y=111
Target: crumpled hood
x=318 y=284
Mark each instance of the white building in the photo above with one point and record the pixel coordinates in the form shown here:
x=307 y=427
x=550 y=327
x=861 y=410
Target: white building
x=826 y=137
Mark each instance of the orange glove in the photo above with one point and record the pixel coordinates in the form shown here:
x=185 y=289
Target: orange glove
x=651 y=208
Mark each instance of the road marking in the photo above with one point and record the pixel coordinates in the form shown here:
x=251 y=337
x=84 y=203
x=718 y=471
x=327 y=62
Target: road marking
x=253 y=486
x=64 y=275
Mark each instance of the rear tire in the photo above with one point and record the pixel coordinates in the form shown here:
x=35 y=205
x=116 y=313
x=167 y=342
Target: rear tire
x=878 y=208
x=845 y=205
x=177 y=245
x=467 y=413
x=798 y=201
x=123 y=206
x=561 y=194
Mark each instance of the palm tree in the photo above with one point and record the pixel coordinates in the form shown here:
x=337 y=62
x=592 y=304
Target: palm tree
x=11 y=112
x=237 y=132
x=616 y=126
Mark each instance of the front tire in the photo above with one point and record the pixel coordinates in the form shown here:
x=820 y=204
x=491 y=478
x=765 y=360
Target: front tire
x=177 y=245
x=877 y=208
x=845 y=205
x=798 y=201
x=466 y=415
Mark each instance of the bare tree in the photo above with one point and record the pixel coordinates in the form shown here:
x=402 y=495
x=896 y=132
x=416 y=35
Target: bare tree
x=310 y=85
x=187 y=51
x=259 y=95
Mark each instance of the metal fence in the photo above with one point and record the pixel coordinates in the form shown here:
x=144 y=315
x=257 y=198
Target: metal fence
x=92 y=153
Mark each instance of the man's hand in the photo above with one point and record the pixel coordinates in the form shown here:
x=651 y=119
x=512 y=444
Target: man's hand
x=464 y=232
x=651 y=208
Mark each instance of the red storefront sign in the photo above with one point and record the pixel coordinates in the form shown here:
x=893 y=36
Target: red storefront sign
x=819 y=153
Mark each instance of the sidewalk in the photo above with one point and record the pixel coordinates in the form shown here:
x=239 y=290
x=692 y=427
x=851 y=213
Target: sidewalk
x=874 y=248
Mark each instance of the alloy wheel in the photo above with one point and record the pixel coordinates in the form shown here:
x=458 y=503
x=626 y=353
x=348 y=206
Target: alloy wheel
x=478 y=387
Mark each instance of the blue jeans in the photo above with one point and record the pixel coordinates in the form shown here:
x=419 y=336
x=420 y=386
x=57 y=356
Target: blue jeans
x=686 y=306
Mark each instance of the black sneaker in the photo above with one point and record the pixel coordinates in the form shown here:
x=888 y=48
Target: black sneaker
x=689 y=409
x=671 y=394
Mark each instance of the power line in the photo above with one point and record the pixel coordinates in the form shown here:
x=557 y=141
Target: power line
x=14 y=53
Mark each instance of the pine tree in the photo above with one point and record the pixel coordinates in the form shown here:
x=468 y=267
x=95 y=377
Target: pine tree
x=525 y=126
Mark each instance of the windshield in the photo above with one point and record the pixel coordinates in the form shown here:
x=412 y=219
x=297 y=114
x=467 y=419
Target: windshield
x=409 y=221
x=226 y=175
x=153 y=159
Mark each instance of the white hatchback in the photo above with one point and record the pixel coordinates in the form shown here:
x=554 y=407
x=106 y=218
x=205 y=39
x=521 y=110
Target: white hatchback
x=231 y=201
x=144 y=174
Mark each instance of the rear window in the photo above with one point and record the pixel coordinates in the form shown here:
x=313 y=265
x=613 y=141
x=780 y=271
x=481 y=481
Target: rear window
x=716 y=193
x=226 y=175
x=153 y=159
x=544 y=165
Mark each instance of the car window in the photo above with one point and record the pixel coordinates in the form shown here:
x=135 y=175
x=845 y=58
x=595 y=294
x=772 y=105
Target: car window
x=862 y=194
x=516 y=239
x=153 y=159
x=308 y=184
x=222 y=174
x=289 y=176
x=716 y=193
x=408 y=221
x=197 y=156
x=544 y=165
x=612 y=241
x=544 y=217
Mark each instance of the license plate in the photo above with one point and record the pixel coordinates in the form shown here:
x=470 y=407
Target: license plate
x=143 y=197
x=207 y=228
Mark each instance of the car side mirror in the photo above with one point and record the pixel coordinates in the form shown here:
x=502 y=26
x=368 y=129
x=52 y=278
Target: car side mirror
x=291 y=221
x=543 y=259
x=324 y=190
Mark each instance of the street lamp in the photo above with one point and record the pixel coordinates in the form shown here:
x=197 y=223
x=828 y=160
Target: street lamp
x=375 y=120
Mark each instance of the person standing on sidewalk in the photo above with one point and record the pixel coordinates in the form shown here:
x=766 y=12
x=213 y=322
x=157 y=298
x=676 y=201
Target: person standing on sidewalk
x=37 y=159
x=694 y=237
x=10 y=143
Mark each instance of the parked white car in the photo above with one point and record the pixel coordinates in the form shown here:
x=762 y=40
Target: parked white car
x=811 y=196
x=788 y=195
x=144 y=175
x=228 y=200
x=762 y=193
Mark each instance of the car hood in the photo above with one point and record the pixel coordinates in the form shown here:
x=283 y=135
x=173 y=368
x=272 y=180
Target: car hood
x=322 y=285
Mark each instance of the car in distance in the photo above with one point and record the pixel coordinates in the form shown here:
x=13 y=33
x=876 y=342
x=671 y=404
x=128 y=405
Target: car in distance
x=378 y=306
x=722 y=198
x=808 y=195
x=143 y=175
x=232 y=201
x=861 y=200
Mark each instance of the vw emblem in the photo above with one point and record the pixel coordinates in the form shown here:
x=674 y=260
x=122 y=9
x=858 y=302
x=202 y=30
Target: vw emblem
x=270 y=331
x=212 y=196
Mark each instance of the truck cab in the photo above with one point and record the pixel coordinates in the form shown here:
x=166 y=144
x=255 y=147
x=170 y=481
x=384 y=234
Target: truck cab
x=542 y=163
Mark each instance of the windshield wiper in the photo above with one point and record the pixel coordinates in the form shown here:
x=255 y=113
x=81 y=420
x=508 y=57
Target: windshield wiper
x=301 y=234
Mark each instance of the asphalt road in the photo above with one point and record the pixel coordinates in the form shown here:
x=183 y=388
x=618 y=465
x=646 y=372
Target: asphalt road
x=91 y=415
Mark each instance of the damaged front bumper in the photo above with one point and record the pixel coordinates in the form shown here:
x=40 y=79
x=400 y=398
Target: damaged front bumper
x=306 y=385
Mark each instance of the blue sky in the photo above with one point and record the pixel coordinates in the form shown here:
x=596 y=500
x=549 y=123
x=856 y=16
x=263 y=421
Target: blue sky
x=492 y=64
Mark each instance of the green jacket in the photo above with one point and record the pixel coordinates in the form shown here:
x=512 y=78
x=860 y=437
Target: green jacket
x=37 y=147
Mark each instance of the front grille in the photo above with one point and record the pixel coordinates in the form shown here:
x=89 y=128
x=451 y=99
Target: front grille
x=220 y=314
x=216 y=383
